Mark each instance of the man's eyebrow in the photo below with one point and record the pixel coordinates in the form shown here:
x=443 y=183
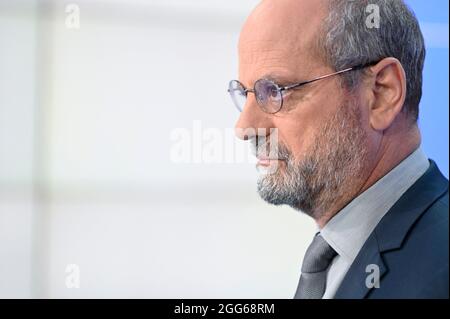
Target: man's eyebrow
x=282 y=79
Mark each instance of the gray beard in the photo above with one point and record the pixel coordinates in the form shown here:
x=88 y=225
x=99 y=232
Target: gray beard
x=329 y=171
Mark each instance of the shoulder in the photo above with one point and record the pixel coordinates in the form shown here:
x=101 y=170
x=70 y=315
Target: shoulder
x=419 y=268
x=431 y=230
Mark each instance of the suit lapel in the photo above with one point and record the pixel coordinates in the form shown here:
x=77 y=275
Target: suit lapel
x=354 y=285
x=391 y=232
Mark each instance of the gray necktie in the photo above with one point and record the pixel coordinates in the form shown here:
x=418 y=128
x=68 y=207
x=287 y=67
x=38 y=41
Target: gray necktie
x=314 y=269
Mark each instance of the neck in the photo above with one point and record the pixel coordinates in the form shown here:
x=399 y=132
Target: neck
x=394 y=147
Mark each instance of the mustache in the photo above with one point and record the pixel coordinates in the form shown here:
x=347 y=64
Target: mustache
x=261 y=146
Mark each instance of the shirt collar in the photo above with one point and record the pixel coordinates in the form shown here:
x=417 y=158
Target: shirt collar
x=348 y=230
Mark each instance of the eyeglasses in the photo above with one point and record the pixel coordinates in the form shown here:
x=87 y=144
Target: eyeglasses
x=269 y=95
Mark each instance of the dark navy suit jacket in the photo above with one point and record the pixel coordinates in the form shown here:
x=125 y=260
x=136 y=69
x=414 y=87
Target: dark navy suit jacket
x=409 y=245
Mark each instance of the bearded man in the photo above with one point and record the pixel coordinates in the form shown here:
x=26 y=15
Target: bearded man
x=343 y=98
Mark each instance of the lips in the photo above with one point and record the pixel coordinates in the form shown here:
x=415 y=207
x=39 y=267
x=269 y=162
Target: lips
x=265 y=155
x=266 y=161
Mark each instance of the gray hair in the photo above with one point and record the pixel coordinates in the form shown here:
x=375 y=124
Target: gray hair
x=348 y=41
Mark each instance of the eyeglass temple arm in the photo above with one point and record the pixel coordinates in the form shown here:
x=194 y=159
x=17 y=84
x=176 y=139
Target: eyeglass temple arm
x=293 y=86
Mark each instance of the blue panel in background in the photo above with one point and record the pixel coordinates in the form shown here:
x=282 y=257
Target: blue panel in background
x=434 y=108
x=430 y=10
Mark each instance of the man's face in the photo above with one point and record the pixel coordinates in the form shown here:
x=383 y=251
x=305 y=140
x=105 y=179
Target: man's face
x=322 y=145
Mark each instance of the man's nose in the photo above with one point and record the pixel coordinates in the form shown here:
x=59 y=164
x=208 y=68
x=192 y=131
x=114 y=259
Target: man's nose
x=252 y=121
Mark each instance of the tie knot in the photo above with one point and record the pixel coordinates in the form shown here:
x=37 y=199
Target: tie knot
x=318 y=256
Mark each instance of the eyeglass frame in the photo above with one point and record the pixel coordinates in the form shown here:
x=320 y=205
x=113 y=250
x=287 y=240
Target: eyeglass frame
x=281 y=89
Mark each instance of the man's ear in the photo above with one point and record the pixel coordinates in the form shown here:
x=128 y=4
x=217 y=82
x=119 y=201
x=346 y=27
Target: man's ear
x=388 y=91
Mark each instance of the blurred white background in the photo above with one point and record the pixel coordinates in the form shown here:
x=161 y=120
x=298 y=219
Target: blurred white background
x=86 y=117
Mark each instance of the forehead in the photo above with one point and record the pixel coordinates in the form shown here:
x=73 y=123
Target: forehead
x=280 y=35
x=282 y=64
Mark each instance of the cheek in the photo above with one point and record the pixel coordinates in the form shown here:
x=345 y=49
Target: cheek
x=299 y=128
x=296 y=135
x=299 y=131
